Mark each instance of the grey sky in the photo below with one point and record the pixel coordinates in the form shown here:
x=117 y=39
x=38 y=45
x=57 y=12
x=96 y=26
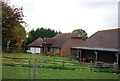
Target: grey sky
x=67 y=15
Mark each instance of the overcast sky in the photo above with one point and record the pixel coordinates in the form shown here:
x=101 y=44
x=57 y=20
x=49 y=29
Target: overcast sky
x=67 y=15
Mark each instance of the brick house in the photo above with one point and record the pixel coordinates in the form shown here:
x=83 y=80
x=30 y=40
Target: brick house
x=102 y=46
x=61 y=44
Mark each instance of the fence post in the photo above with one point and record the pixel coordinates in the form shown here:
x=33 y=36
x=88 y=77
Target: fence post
x=30 y=67
x=14 y=59
x=14 y=63
x=35 y=68
x=91 y=66
x=54 y=58
x=63 y=63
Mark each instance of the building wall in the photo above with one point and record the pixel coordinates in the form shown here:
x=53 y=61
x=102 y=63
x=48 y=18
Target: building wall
x=35 y=50
x=107 y=57
x=66 y=52
x=102 y=56
x=119 y=62
x=89 y=54
x=57 y=50
x=45 y=50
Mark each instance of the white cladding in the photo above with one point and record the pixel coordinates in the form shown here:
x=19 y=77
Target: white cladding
x=34 y=50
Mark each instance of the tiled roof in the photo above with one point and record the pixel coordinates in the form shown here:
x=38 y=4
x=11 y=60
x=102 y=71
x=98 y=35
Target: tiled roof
x=104 y=39
x=36 y=43
x=56 y=41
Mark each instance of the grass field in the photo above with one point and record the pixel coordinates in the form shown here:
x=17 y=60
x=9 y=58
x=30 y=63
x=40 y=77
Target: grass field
x=23 y=73
x=33 y=56
x=18 y=72
x=41 y=62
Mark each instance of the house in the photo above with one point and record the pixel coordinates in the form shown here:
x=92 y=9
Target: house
x=35 y=47
x=61 y=44
x=102 y=46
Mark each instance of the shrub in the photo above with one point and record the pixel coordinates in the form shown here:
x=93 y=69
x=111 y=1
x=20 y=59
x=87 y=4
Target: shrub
x=52 y=53
x=57 y=67
x=10 y=64
x=115 y=71
x=101 y=70
x=27 y=65
x=106 y=70
x=39 y=66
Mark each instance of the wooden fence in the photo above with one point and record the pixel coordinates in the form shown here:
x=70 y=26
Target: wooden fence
x=47 y=61
x=37 y=61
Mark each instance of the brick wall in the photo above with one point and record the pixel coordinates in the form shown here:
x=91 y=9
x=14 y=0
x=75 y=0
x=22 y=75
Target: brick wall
x=70 y=43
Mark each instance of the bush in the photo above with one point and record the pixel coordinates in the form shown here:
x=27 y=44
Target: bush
x=115 y=71
x=27 y=65
x=106 y=70
x=101 y=70
x=10 y=64
x=39 y=66
x=52 y=53
x=57 y=67
x=66 y=68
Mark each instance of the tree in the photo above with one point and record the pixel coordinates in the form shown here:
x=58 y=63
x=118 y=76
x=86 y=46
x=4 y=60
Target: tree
x=40 y=33
x=82 y=33
x=12 y=30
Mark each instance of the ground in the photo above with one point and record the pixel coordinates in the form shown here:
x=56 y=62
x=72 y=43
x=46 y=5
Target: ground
x=23 y=73
x=18 y=72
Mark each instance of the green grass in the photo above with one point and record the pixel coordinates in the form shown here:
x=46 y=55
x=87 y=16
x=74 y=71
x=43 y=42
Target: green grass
x=48 y=63
x=19 y=72
x=38 y=57
x=33 y=56
x=20 y=55
x=23 y=73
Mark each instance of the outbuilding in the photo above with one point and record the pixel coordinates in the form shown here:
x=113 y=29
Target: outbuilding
x=103 y=46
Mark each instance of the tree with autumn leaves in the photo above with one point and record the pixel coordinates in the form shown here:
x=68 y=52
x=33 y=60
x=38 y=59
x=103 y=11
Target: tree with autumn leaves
x=13 y=32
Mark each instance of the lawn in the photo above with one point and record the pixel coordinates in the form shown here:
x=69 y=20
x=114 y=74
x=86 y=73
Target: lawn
x=18 y=72
x=46 y=60
x=33 y=56
x=42 y=73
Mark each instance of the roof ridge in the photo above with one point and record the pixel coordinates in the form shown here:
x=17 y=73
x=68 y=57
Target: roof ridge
x=109 y=30
x=64 y=34
x=48 y=38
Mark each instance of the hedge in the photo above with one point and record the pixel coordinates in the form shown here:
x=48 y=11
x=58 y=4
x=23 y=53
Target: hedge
x=56 y=67
x=9 y=64
x=27 y=65
x=106 y=70
x=40 y=66
x=53 y=67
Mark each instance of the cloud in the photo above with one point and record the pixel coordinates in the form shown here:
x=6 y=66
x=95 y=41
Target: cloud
x=67 y=15
x=99 y=4
x=119 y=14
x=99 y=0
x=109 y=13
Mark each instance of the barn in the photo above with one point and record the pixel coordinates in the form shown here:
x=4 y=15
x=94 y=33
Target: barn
x=103 y=46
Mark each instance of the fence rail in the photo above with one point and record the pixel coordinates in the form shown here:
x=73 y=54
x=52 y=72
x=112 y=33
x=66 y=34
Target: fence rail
x=47 y=61
x=32 y=74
